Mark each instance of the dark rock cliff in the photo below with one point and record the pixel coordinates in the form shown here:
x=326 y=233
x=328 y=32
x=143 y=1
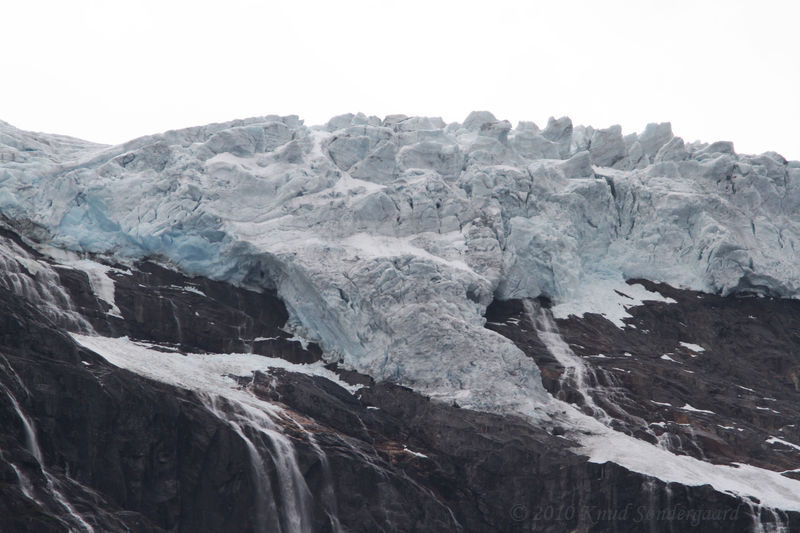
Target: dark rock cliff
x=88 y=446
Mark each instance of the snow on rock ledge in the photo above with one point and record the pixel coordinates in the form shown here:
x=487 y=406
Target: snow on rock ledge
x=388 y=238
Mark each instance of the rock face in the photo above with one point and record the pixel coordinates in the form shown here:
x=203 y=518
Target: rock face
x=88 y=445
x=734 y=360
x=130 y=454
x=349 y=328
x=190 y=314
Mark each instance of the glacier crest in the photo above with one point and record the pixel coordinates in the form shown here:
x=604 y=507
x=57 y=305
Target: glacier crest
x=388 y=238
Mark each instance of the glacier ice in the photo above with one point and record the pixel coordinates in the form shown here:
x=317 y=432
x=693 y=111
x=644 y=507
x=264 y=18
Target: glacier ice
x=388 y=238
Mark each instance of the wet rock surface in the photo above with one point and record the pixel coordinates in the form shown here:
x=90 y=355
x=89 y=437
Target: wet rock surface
x=190 y=313
x=717 y=375
x=84 y=444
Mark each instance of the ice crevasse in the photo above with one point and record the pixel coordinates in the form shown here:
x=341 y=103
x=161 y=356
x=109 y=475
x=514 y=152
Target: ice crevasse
x=387 y=238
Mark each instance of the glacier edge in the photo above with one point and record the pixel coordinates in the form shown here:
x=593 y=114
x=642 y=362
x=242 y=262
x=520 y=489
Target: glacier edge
x=388 y=238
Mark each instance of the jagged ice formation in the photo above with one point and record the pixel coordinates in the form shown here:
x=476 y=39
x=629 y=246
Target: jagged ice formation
x=388 y=238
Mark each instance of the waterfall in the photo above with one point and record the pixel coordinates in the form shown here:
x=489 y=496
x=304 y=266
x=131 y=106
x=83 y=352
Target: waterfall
x=328 y=495
x=267 y=518
x=766 y=519
x=575 y=370
x=31 y=441
x=38 y=283
x=584 y=379
x=24 y=482
x=283 y=499
x=291 y=513
x=32 y=445
x=579 y=375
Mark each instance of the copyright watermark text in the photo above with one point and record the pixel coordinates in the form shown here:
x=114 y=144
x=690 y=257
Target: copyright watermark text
x=629 y=513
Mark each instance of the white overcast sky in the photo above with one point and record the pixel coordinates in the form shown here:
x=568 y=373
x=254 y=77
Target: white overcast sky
x=109 y=71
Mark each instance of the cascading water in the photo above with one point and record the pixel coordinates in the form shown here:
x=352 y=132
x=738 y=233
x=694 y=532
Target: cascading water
x=576 y=373
x=73 y=520
x=288 y=510
x=328 y=496
x=267 y=517
x=584 y=379
x=284 y=502
x=579 y=375
x=38 y=283
x=24 y=482
x=766 y=519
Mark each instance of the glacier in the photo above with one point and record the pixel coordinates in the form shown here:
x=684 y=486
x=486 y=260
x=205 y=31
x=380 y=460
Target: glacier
x=387 y=238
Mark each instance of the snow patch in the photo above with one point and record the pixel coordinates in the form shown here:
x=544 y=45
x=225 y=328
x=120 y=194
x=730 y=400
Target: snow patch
x=302 y=340
x=692 y=347
x=687 y=407
x=102 y=285
x=189 y=288
x=374 y=246
x=209 y=372
x=661 y=403
x=609 y=298
x=415 y=454
x=603 y=444
x=776 y=440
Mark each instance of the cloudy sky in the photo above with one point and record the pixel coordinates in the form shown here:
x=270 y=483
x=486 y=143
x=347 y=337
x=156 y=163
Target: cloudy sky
x=110 y=71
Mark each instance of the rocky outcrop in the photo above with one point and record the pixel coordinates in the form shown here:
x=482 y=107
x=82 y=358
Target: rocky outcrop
x=702 y=375
x=129 y=454
x=88 y=445
x=192 y=314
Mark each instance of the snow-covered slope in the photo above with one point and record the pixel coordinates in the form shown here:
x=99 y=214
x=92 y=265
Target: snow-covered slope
x=388 y=238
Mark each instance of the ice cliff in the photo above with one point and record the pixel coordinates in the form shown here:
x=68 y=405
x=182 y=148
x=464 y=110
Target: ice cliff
x=388 y=238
